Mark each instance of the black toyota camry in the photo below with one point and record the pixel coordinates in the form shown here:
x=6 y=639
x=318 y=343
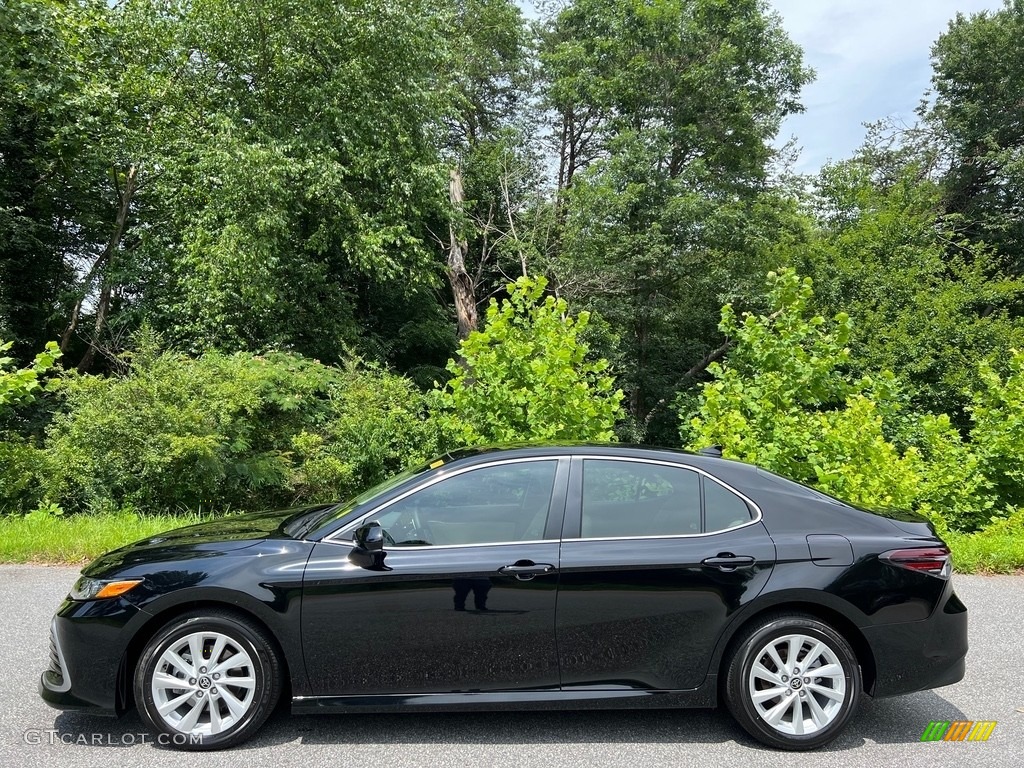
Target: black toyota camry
x=534 y=577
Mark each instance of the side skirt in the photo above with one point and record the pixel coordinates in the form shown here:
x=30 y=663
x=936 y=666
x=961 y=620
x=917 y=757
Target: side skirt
x=491 y=701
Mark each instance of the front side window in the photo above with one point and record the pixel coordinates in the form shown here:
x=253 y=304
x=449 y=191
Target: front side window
x=629 y=498
x=501 y=503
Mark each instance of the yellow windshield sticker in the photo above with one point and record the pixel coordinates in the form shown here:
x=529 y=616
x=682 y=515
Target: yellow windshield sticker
x=437 y=464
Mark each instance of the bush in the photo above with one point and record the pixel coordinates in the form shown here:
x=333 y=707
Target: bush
x=21 y=462
x=997 y=432
x=527 y=376
x=783 y=400
x=225 y=431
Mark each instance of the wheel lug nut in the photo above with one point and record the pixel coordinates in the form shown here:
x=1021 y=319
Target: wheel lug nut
x=807 y=680
x=785 y=678
x=802 y=694
x=216 y=675
x=200 y=694
x=796 y=671
x=202 y=670
x=213 y=690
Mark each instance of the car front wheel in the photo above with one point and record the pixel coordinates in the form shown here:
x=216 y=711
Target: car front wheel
x=207 y=680
x=793 y=682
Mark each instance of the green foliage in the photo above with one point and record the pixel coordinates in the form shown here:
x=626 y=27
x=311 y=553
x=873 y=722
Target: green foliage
x=997 y=434
x=527 y=375
x=22 y=473
x=667 y=112
x=783 y=400
x=20 y=386
x=379 y=424
x=21 y=461
x=977 y=117
x=954 y=490
x=928 y=303
x=997 y=548
x=224 y=431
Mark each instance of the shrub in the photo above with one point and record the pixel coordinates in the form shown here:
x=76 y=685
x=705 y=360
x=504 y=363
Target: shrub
x=527 y=376
x=783 y=400
x=223 y=431
x=21 y=461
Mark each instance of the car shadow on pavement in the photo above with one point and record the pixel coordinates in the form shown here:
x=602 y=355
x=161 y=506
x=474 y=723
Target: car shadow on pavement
x=886 y=721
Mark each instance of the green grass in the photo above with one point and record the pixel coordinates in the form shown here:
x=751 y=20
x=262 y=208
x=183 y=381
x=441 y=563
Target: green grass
x=43 y=538
x=987 y=552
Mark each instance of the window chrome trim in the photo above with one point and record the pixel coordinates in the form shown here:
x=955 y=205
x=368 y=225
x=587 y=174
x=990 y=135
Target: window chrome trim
x=758 y=515
x=335 y=538
x=424 y=547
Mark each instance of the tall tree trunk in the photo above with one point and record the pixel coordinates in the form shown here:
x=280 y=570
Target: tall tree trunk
x=463 y=287
x=125 y=198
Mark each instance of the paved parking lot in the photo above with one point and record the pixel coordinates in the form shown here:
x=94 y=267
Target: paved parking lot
x=884 y=733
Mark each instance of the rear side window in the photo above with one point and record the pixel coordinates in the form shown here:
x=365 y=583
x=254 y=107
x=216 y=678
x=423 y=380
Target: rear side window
x=626 y=498
x=623 y=499
x=722 y=508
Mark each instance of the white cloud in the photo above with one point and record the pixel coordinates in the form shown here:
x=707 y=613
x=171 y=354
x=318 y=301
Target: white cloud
x=872 y=59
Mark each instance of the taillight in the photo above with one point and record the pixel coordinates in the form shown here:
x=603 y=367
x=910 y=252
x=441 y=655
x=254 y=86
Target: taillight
x=932 y=560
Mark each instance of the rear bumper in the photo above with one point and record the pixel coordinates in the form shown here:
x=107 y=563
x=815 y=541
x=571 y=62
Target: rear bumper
x=918 y=655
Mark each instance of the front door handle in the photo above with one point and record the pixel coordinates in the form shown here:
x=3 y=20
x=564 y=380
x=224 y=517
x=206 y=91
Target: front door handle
x=726 y=561
x=524 y=570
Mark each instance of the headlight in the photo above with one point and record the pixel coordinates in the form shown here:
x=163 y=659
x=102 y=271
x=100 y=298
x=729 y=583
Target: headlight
x=96 y=589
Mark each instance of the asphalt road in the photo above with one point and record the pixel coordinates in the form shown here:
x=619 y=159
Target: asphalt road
x=884 y=732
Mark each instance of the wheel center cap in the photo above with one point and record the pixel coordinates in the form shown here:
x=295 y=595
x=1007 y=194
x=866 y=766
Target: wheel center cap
x=204 y=682
x=795 y=683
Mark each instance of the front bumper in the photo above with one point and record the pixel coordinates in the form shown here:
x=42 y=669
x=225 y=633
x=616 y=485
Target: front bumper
x=915 y=656
x=88 y=641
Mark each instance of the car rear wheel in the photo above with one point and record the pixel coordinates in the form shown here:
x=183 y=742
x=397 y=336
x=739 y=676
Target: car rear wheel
x=208 y=680
x=792 y=682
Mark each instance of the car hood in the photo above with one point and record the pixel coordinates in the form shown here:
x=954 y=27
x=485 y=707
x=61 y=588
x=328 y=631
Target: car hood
x=205 y=539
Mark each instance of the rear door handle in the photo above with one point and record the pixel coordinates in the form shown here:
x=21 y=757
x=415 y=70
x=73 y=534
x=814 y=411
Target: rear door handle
x=728 y=562
x=524 y=570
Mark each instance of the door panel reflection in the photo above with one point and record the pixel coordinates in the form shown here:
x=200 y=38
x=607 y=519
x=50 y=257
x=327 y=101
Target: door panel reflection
x=440 y=620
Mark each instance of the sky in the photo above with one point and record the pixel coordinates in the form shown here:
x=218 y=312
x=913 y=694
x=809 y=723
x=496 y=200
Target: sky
x=872 y=59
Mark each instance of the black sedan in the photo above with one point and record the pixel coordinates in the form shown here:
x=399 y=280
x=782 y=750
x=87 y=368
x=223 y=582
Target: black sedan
x=540 y=577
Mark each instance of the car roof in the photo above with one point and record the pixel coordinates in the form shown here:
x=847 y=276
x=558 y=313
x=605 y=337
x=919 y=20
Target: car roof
x=712 y=464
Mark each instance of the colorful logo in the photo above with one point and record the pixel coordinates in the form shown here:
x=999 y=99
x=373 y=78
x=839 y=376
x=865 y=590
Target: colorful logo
x=958 y=730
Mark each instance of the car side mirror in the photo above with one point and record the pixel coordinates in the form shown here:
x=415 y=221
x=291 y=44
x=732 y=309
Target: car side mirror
x=370 y=537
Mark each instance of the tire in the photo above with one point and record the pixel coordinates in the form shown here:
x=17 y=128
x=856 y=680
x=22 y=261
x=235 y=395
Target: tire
x=765 y=701
x=221 y=702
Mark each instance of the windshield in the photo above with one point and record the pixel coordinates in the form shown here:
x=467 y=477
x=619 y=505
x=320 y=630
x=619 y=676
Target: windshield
x=303 y=524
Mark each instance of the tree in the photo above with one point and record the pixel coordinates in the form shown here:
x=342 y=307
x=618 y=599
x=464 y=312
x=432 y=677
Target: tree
x=486 y=147
x=978 y=121
x=664 y=113
x=309 y=168
x=929 y=302
x=56 y=102
x=528 y=375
